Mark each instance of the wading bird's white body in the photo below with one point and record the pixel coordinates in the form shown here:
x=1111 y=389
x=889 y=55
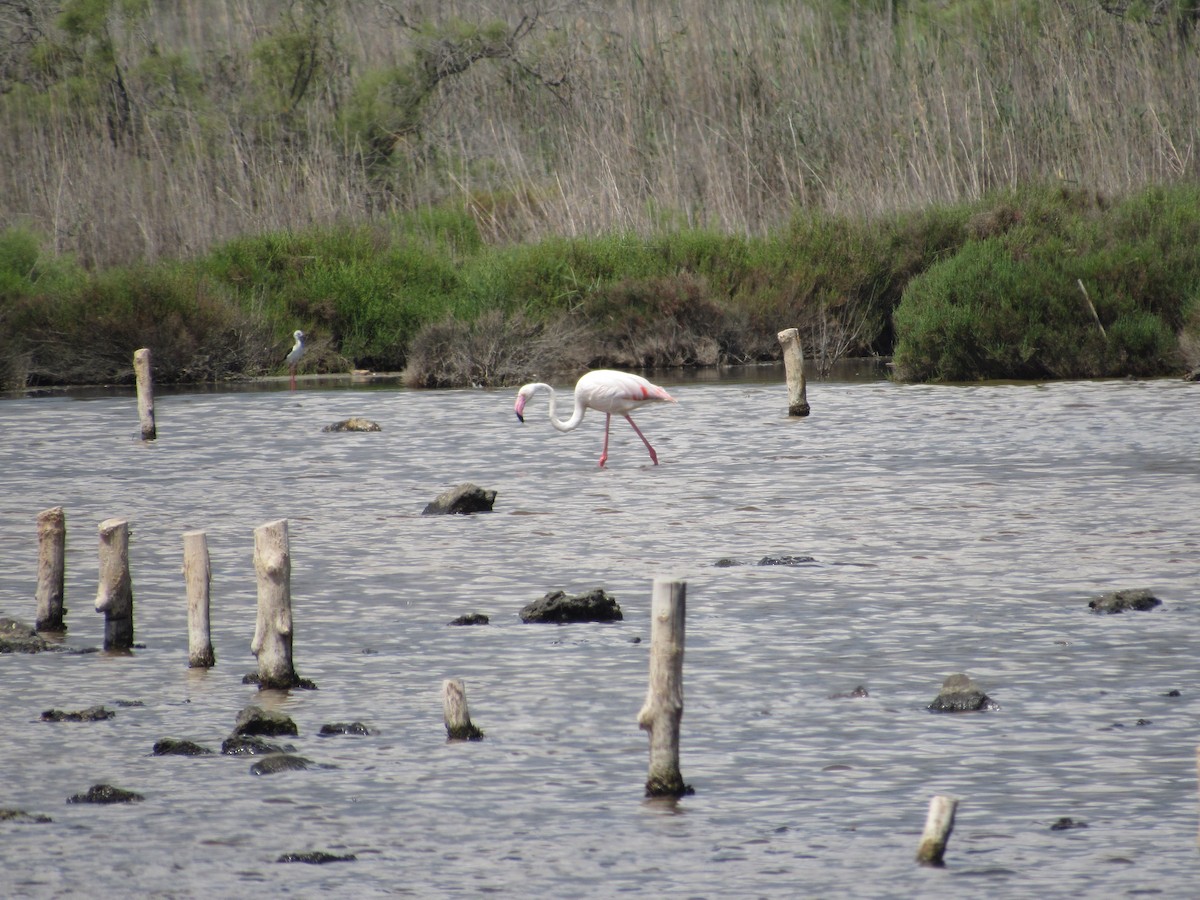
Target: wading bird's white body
x=609 y=392
x=293 y=357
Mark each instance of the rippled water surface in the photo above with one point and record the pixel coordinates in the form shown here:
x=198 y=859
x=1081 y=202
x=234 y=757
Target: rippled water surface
x=952 y=529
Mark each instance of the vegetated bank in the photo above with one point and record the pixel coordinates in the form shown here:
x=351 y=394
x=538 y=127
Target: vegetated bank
x=1039 y=283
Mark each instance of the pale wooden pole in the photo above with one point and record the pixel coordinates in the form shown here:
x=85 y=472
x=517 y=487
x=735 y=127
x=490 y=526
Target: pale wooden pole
x=663 y=709
x=454 y=708
x=52 y=541
x=145 y=393
x=793 y=367
x=197 y=576
x=938 y=825
x=272 y=642
x=115 y=595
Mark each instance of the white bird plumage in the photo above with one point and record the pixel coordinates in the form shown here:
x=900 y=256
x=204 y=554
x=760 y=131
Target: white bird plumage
x=604 y=390
x=293 y=357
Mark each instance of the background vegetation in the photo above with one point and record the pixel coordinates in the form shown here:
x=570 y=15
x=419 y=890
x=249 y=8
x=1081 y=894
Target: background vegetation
x=481 y=192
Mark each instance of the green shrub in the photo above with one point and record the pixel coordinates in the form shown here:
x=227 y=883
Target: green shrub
x=1019 y=304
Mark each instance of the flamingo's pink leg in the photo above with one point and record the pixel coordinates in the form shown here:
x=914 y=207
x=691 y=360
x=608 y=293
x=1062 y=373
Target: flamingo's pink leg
x=604 y=452
x=653 y=455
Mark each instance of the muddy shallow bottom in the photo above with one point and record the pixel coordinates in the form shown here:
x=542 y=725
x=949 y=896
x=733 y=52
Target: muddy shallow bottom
x=952 y=529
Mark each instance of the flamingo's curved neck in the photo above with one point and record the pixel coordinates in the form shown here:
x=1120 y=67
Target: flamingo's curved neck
x=576 y=417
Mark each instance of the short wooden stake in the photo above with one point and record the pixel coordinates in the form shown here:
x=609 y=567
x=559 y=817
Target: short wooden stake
x=938 y=825
x=197 y=576
x=793 y=367
x=145 y=393
x=454 y=707
x=663 y=709
x=115 y=595
x=52 y=542
x=272 y=642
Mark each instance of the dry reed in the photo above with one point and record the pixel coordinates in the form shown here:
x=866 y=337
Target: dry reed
x=611 y=116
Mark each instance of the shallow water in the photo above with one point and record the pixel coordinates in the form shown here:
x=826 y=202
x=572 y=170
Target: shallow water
x=952 y=529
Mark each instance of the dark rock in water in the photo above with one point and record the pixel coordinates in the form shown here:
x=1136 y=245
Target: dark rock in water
x=316 y=858
x=19 y=815
x=461 y=500
x=1193 y=375
x=345 y=728
x=859 y=692
x=960 y=694
x=106 y=793
x=241 y=745
x=354 y=423
x=17 y=637
x=726 y=563
x=595 y=606
x=256 y=720
x=786 y=561
x=304 y=684
x=91 y=714
x=173 y=747
x=280 y=762
x=1066 y=823
x=132 y=704
x=1174 y=692
x=470 y=619
x=1138 y=599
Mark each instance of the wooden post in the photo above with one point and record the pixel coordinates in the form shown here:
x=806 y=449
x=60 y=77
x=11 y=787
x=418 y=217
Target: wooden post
x=454 y=708
x=115 y=595
x=52 y=541
x=793 y=367
x=145 y=392
x=272 y=642
x=663 y=709
x=197 y=575
x=938 y=825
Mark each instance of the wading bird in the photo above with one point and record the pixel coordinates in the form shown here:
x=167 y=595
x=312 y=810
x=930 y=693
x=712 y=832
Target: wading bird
x=608 y=392
x=293 y=358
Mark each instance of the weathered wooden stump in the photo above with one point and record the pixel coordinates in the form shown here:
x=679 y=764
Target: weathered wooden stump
x=663 y=709
x=454 y=708
x=52 y=542
x=197 y=576
x=145 y=393
x=938 y=825
x=115 y=595
x=272 y=642
x=793 y=367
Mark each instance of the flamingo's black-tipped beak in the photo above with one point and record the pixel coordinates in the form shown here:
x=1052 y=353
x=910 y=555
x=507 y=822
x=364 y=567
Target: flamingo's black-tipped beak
x=519 y=407
x=520 y=418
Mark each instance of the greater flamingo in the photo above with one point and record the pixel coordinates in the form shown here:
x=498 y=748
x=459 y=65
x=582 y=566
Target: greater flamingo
x=606 y=391
x=293 y=358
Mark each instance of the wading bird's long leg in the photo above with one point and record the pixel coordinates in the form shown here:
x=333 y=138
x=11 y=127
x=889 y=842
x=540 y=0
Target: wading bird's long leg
x=604 y=452
x=653 y=455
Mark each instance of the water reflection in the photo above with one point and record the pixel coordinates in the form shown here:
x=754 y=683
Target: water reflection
x=951 y=529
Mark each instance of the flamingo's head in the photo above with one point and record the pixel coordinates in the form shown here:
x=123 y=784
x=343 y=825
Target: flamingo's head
x=523 y=396
x=298 y=336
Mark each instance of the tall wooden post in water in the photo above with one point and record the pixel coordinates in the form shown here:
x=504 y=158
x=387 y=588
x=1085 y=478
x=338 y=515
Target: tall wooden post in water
x=197 y=576
x=793 y=367
x=663 y=709
x=938 y=825
x=52 y=542
x=272 y=642
x=145 y=393
x=115 y=595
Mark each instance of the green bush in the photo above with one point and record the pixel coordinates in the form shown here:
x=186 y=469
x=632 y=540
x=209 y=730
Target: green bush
x=1019 y=304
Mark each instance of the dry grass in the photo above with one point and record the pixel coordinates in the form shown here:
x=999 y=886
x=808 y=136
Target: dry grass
x=612 y=116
